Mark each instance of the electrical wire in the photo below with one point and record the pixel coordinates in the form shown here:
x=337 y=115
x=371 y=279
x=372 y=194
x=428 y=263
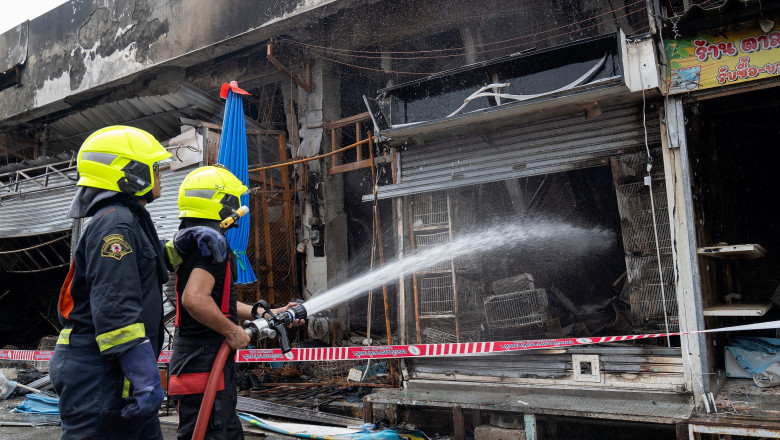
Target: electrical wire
x=652 y=210
x=492 y=50
x=462 y=48
x=342 y=52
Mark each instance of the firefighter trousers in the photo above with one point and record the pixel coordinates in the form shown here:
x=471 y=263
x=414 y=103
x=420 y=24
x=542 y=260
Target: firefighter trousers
x=191 y=363
x=90 y=388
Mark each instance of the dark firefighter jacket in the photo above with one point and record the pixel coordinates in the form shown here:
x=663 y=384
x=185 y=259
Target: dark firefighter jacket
x=195 y=345
x=113 y=288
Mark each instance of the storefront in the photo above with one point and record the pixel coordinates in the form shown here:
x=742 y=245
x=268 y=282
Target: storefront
x=723 y=100
x=565 y=162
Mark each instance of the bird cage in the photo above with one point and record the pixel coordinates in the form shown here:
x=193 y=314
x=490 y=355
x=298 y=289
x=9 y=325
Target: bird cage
x=430 y=209
x=516 y=309
x=636 y=217
x=436 y=294
x=425 y=242
x=645 y=296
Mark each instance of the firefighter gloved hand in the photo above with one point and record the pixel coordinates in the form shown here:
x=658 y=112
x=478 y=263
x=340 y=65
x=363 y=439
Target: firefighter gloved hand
x=211 y=243
x=140 y=367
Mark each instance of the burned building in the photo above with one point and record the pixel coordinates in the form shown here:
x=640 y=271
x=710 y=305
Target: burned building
x=592 y=189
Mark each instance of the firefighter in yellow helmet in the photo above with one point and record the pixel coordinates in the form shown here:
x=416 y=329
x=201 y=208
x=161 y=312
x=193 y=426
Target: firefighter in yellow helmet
x=104 y=366
x=207 y=311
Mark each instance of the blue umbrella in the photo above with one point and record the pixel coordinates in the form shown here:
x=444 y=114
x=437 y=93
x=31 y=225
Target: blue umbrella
x=232 y=154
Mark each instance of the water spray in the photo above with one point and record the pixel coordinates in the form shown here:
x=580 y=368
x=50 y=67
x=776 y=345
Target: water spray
x=566 y=238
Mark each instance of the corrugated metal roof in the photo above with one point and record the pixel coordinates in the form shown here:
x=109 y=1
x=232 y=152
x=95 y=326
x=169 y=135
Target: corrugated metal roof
x=46 y=210
x=156 y=114
x=37 y=162
x=32 y=213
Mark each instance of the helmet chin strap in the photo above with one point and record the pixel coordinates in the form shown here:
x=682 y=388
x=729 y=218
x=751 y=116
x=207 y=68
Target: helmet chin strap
x=149 y=196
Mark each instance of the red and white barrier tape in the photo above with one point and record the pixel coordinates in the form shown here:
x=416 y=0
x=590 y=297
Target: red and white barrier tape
x=407 y=351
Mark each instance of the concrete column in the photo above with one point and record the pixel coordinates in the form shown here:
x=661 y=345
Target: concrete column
x=322 y=104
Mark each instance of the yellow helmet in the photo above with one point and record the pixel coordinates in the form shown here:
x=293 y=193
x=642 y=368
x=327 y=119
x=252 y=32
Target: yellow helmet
x=120 y=158
x=210 y=192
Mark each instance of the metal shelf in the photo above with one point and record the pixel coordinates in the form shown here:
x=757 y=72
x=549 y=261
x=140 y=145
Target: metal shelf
x=737 y=309
x=736 y=251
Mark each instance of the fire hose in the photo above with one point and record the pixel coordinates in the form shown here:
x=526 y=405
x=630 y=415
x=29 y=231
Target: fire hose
x=258 y=329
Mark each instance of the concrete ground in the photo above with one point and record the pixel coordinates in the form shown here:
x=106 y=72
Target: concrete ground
x=53 y=432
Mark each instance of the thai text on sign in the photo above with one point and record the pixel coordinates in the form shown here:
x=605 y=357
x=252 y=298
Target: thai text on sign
x=708 y=61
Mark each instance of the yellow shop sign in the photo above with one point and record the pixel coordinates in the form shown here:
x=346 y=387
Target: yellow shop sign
x=710 y=61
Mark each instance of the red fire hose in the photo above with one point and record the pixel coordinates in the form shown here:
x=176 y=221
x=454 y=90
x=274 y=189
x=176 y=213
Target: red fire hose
x=211 y=391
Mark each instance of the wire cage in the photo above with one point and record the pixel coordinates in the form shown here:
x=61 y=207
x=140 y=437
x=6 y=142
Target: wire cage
x=540 y=330
x=431 y=335
x=516 y=309
x=271 y=247
x=463 y=210
x=425 y=242
x=430 y=209
x=631 y=167
x=636 y=217
x=443 y=331
x=436 y=296
x=469 y=294
x=645 y=296
x=330 y=371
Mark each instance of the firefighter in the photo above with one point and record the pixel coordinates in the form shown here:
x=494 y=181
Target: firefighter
x=207 y=311
x=104 y=366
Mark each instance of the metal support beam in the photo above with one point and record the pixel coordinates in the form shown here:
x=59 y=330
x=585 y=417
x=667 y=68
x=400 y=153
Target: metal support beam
x=305 y=84
x=758 y=432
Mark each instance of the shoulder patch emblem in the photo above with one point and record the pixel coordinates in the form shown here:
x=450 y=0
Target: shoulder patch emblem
x=115 y=246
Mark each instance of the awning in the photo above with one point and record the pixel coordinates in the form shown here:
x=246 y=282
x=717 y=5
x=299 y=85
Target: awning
x=156 y=114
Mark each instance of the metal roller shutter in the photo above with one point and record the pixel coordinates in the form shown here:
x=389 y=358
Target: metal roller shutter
x=521 y=150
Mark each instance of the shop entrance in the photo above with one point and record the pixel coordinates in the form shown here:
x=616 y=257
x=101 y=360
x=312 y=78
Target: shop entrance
x=734 y=151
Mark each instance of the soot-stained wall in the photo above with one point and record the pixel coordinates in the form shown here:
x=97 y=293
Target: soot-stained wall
x=84 y=47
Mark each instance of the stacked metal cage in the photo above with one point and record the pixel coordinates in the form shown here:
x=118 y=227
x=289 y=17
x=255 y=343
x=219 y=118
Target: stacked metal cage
x=637 y=217
x=516 y=309
x=436 y=294
x=652 y=295
x=434 y=227
x=438 y=218
x=649 y=304
x=430 y=209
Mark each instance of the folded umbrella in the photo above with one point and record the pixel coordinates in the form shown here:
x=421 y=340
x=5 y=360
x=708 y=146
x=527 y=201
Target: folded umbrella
x=233 y=155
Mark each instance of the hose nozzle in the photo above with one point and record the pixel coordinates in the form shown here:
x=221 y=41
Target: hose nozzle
x=288 y=316
x=261 y=327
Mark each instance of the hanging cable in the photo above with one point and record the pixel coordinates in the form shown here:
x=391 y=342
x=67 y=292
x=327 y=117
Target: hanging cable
x=486 y=51
x=379 y=54
x=652 y=210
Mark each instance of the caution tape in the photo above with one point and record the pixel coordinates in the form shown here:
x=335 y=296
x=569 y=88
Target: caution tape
x=408 y=351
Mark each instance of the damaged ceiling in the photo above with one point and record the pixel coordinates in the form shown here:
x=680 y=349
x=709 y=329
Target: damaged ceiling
x=156 y=114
